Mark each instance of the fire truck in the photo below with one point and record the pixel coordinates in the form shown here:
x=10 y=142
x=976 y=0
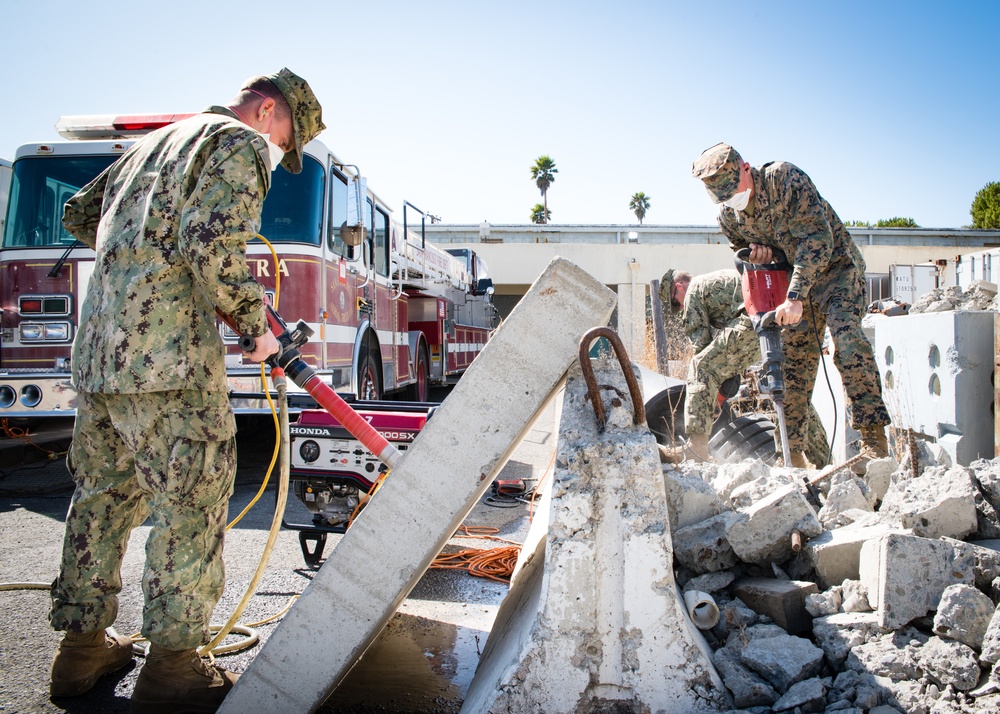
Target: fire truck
x=392 y=315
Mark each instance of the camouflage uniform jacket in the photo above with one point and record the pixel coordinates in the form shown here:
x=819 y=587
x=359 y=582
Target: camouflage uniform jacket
x=714 y=302
x=170 y=221
x=789 y=213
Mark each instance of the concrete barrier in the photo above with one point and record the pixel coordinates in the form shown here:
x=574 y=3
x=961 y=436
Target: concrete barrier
x=421 y=504
x=593 y=621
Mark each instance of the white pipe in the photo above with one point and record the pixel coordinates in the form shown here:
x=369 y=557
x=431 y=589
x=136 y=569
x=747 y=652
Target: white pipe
x=702 y=609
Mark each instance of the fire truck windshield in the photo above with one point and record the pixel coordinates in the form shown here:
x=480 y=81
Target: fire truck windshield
x=293 y=209
x=40 y=186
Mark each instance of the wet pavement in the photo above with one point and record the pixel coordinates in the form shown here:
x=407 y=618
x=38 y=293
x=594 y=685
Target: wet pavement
x=423 y=661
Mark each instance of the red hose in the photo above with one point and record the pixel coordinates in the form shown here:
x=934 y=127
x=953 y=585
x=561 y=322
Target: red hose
x=352 y=421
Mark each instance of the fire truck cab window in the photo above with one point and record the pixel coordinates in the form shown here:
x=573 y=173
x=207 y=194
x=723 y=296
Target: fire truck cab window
x=338 y=213
x=40 y=187
x=293 y=209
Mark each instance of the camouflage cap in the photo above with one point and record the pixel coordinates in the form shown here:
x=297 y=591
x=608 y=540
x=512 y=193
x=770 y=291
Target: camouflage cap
x=307 y=114
x=719 y=168
x=666 y=291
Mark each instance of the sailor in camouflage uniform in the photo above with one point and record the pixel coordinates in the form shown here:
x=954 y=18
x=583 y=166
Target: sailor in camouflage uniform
x=725 y=345
x=777 y=206
x=154 y=433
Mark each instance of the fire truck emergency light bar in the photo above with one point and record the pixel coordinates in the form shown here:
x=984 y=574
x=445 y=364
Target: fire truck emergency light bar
x=112 y=126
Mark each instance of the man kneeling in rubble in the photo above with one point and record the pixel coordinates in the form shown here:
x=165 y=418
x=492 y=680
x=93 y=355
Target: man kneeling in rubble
x=725 y=344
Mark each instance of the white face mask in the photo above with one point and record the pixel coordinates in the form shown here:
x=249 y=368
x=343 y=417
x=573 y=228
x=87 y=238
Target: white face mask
x=276 y=152
x=739 y=201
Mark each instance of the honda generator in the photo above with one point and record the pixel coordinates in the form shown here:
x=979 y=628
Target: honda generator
x=331 y=471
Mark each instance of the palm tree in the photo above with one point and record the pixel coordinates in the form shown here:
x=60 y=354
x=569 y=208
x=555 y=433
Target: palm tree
x=543 y=173
x=540 y=214
x=639 y=204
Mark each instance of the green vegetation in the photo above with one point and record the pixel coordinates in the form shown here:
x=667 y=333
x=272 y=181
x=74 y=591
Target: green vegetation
x=639 y=204
x=540 y=214
x=543 y=172
x=985 y=208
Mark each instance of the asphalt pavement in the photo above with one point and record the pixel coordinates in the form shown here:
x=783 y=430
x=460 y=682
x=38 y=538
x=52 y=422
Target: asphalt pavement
x=423 y=661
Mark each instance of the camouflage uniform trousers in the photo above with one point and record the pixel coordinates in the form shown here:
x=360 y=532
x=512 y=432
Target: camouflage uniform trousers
x=167 y=455
x=839 y=306
x=731 y=351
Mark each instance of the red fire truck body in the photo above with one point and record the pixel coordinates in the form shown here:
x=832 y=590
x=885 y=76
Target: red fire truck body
x=392 y=315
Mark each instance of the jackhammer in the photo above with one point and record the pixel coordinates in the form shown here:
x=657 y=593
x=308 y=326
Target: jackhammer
x=289 y=359
x=765 y=287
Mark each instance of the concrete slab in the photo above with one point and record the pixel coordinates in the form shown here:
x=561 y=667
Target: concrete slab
x=464 y=446
x=593 y=622
x=905 y=574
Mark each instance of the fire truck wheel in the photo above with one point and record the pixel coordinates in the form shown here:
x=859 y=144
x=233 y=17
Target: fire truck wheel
x=750 y=436
x=368 y=382
x=419 y=391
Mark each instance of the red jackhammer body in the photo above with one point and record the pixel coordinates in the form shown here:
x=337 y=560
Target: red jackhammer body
x=765 y=287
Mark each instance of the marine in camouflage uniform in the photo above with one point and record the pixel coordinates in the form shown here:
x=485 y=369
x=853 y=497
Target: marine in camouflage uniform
x=154 y=433
x=787 y=212
x=724 y=342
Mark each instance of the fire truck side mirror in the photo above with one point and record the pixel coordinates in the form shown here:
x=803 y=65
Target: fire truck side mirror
x=352 y=235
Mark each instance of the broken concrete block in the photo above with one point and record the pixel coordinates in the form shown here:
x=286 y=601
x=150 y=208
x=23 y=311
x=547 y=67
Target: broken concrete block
x=928 y=456
x=963 y=614
x=878 y=475
x=766 y=534
x=938 y=503
x=807 y=696
x=748 y=689
x=987 y=562
x=595 y=616
x=689 y=499
x=835 y=554
x=905 y=575
x=855 y=597
x=782 y=659
x=844 y=495
x=747 y=494
x=893 y=656
x=949 y=663
x=824 y=603
x=838 y=634
x=728 y=477
x=987 y=518
x=781 y=600
x=735 y=615
x=991 y=640
x=703 y=547
x=710 y=582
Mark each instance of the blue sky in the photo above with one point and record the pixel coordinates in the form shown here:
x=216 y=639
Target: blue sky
x=891 y=107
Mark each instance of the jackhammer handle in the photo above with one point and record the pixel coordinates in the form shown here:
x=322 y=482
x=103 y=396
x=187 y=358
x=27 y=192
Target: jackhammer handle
x=779 y=261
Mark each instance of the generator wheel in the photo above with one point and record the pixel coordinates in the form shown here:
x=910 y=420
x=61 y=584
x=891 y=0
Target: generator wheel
x=746 y=437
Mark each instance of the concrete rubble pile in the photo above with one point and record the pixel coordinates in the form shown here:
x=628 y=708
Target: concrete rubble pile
x=981 y=295
x=882 y=598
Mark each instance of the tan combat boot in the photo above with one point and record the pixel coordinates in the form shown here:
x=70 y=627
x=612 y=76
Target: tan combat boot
x=82 y=658
x=179 y=680
x=873 y=439
x=697 y=447
x=799 y=460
